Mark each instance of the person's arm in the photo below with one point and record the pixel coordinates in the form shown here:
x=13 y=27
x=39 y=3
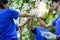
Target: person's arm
x=24 y=23
x=43 y=24
x=32 y=24
x=58 y=36
x=26 y=15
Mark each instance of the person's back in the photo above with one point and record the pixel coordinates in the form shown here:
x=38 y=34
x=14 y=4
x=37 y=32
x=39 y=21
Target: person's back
x=38 y=32
x=7 y=26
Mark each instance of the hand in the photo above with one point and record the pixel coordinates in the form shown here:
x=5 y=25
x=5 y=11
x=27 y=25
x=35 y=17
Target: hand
x=30 y=18
x=58 y=36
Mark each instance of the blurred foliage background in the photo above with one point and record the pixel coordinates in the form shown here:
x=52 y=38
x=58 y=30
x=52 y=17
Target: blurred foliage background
x=25 y=6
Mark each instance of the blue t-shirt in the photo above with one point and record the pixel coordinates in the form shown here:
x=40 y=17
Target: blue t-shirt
x=37 y=31
x=7 y=25
x=56 y=23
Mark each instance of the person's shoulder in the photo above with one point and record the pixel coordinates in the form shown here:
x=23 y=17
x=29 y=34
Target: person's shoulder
x=36 y=27
x=10 y=9
x=58 y=15
x=6 y=9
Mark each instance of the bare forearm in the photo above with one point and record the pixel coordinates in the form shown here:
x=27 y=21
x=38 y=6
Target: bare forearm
x=31 y=24
x=49 y=25
x=43 y=24
x=24 y=23
x=26 y=15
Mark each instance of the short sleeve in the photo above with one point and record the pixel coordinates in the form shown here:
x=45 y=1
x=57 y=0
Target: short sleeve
x=34 y=31
x=13 y=13
x=54 y=22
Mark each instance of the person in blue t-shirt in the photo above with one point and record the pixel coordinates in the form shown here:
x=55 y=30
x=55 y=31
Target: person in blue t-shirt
x=56 y=22
x=37 y=30
x=8 y=29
